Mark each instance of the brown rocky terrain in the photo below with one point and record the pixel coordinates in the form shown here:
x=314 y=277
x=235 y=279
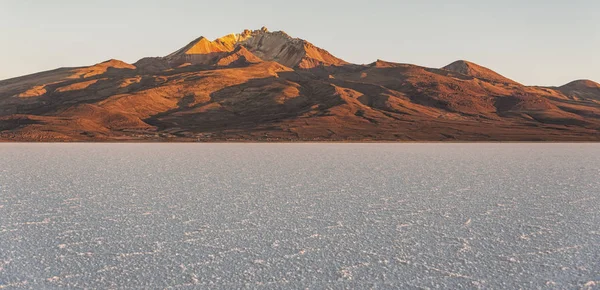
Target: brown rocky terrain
x=267 y=86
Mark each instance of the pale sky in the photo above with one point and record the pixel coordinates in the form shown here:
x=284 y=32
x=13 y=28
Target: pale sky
x=536 y=42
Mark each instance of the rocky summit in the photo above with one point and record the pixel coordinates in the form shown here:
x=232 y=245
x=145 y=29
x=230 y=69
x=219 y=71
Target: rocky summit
x=259 y=85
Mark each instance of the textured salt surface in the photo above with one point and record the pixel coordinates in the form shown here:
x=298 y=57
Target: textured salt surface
x=300 y=216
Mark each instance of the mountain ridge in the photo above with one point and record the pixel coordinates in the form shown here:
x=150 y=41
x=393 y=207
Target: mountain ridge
x=271 y=46
x=268 y=86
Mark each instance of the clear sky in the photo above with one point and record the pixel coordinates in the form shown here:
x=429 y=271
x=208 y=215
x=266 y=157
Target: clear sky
x=541 y=42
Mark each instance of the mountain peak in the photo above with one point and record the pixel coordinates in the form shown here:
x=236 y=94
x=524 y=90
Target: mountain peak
x=275 y=46
x=583 y=84
x=115 y=63
x=477 y=71
x=101 y=68
x=384 y=64
x=200 y=45
x=582 y=89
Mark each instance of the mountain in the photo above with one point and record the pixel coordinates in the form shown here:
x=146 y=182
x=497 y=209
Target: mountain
x=582 y=89
x=268 y=86
x=474 y=70
x=261 y=44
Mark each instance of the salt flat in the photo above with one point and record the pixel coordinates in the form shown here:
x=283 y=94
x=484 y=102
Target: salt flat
x=185 y=216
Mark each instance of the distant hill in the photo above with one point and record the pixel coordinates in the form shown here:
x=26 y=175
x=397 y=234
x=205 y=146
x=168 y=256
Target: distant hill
x=582 y=89
x=474 y=70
